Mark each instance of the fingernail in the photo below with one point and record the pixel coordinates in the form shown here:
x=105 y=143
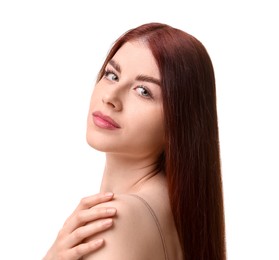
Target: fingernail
x=98 y=242
x=108 y=194
x=107 y=222
x=111 y=211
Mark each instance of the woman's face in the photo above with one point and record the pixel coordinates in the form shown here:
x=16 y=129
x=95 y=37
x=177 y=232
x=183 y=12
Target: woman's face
x=126 y=113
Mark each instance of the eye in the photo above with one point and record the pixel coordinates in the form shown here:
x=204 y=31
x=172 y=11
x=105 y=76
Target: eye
x=110 y=75
x=143 y=91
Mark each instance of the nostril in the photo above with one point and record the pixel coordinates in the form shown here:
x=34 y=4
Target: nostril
x=112 y=103
x=109 y=104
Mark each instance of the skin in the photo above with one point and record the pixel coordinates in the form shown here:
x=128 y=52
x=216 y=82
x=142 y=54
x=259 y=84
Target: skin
x=84 y=221
x=132 y=152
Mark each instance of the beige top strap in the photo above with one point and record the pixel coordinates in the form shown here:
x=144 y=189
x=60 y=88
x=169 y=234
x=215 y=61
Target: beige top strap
x=156 y=222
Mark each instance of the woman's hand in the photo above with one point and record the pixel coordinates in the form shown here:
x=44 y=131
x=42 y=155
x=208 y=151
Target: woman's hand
x=84 y=222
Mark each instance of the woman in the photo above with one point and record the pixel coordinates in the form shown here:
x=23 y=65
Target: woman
x=153 y=112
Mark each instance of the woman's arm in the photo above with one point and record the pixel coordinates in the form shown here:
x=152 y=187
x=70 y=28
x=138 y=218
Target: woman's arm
x=86 y=221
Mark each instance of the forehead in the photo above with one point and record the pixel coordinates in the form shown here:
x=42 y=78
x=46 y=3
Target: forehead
x=136 y=57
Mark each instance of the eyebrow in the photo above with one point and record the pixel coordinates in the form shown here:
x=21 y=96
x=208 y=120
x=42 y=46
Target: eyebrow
x=141 y=77
x=148 y=79
x=115 y=65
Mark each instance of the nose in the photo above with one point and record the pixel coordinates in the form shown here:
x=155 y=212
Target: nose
x=112 y=100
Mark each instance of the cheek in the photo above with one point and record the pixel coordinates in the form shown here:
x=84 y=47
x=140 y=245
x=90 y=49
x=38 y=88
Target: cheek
x=156 y=132
x=92 y=105
x=95 y=98
x=149 y=127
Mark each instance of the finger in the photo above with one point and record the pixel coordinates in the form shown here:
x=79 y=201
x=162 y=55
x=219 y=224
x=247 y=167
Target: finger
x=84 y=249
x=94 y=200
x=87 y=231
x=86 y=203
x=85 y=216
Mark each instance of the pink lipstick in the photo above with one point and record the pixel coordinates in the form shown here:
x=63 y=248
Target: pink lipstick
x=104 y=121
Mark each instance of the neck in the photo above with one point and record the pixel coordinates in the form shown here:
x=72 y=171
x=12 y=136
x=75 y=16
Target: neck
x=124 y=174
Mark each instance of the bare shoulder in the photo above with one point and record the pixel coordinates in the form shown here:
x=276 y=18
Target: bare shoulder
x=134 y=234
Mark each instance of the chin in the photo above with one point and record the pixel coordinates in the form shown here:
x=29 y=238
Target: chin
x=98 y=143
x=92 y=141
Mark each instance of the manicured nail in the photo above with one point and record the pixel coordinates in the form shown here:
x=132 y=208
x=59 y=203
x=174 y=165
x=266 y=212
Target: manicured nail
x=108 y=194
x=111 y=211
x=98 y=242
x=107 y=222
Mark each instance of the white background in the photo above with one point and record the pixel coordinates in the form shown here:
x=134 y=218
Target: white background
x=50 y=53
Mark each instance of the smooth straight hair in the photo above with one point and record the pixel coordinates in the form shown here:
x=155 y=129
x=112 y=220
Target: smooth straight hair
x=191 y=159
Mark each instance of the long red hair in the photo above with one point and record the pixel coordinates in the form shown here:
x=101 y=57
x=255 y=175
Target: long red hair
x=191 y=159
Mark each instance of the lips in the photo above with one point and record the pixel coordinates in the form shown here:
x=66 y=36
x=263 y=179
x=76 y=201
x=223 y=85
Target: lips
x=104 y=121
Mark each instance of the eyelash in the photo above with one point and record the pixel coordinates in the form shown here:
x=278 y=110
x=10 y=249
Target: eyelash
x=109 y=71
x=145 y=89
